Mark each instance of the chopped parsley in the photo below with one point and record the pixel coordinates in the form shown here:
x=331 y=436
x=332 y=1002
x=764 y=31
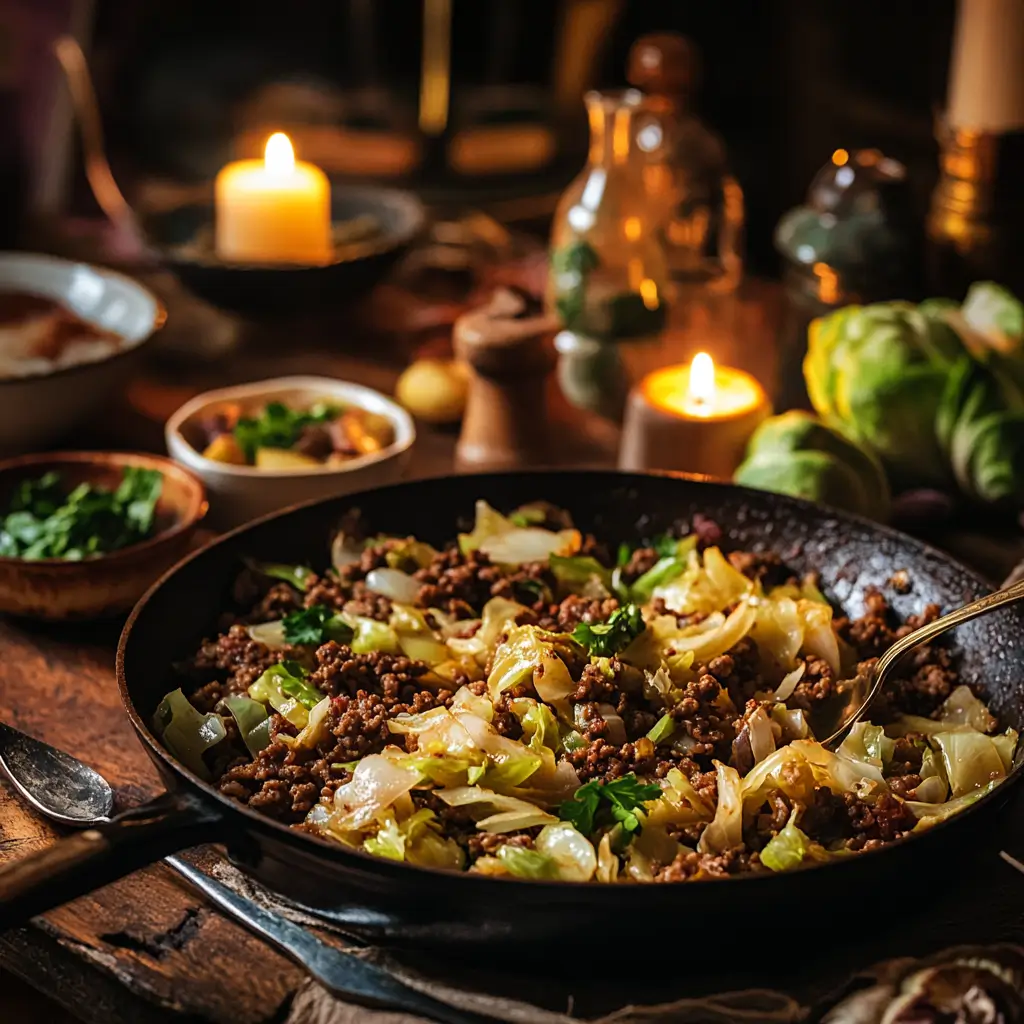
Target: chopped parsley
x=44 y=520
x=277 y=426
x=316 y=625
x=604 y=639
x=603 y=803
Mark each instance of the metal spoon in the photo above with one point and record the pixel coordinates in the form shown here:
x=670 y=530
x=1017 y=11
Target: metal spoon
x=835 y=719
x=69 y=792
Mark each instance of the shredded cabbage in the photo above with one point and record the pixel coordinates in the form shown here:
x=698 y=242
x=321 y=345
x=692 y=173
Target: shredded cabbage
x=572 y=852
x=507 y=544
x=499 y=615
x=270 y=634
x=498 y=812
x=375 y=785
x=972 y=759
x=790 y=847
x=393 y=584
x=186 y=733
x=371 y=635
x=284 y=688
x=315 y=729
x=705 y=585
x=252 y=720
x=931 y=814
x=522 y=863
x=867 y=742
x=726 y=828
x=540 y=727
x=961 y=707
x=531 y=655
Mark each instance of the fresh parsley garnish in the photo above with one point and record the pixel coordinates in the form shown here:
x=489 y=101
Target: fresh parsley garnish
x=665 y=545
x=316 y=625
x=602 y=803
x=603 y=639
x=277 y=426
x=44 y=521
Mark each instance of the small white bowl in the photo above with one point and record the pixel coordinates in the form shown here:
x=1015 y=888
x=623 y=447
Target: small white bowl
x=39 y=409
x=240 y=493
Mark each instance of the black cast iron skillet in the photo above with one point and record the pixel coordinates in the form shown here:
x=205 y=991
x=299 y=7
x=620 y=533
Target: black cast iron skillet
x=389 y=902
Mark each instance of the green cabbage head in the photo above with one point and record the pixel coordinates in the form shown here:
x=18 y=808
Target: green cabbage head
x=878 y=373
x=797 y=454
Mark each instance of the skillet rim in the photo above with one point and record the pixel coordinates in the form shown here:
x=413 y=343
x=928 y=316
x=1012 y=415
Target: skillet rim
x=340 y=856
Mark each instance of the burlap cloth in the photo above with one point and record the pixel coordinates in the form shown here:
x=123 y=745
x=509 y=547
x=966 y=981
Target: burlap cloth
x=862 y=1000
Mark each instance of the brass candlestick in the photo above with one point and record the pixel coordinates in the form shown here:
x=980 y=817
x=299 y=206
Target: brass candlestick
x=977 y=212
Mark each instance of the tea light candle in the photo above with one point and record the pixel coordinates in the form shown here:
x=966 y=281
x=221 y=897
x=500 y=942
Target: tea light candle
x=274 y=210
x=693 y=419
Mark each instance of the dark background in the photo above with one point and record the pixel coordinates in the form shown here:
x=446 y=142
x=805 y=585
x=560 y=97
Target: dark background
x=785 y=82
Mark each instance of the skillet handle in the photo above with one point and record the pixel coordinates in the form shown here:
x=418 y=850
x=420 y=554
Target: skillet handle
x=80 y=863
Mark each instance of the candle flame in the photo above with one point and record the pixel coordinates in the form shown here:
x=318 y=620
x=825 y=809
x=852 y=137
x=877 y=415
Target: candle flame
x=701 y=389
x=279 y=157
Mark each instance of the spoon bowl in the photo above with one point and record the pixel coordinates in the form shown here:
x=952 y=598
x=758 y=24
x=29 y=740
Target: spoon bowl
x=56 y=784
x=835 y=718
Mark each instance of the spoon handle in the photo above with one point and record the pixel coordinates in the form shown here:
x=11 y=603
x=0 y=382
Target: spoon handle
x=988 y=603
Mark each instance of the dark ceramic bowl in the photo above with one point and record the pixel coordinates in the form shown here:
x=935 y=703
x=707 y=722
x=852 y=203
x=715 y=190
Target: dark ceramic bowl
x=184 y=239
x=57 y=590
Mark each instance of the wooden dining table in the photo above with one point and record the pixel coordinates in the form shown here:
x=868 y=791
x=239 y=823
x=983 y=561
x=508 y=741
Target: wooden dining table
x=147 y=948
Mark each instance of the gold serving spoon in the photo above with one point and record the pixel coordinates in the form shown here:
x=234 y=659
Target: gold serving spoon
x=836 y=717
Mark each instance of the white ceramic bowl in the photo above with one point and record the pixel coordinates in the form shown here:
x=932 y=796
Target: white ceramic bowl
x=240 y=493
x=39 y=409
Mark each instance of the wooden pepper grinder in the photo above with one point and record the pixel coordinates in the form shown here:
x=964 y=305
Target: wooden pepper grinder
x=507 y=347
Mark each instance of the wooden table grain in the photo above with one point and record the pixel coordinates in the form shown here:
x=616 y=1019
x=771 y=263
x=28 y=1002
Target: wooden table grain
x=146 y=948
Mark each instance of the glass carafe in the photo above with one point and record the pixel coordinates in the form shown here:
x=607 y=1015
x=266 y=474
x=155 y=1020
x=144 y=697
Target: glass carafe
x=704 y=228
x=608 y=280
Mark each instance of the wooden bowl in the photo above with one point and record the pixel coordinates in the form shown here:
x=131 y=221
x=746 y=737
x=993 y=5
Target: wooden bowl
x=57 y=590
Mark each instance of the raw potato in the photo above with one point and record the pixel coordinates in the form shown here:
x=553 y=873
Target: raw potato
x=224 y=448
x=283 y=458
x=434 y=390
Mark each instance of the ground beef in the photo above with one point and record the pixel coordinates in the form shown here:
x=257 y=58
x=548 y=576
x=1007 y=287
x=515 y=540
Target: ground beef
x=738 y=672
x=738 y=860
x=339 y=671
x=280 y=783
x=596 y=685
x=927 y=676
x=710 y=727
x=488 y=844
x=884 y=820
x=351 y=597
x=709 y=709
x=641 y=561
x=236 y=661
x=763 y=566
x=529 y=584
x=280 y=600
x=605 y=761
x=574 y=610
x=818 y=683
x=458 y=584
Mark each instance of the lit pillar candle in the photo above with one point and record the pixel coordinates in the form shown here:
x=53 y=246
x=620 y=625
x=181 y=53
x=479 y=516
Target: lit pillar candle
x=692 y=419
x=274 y=210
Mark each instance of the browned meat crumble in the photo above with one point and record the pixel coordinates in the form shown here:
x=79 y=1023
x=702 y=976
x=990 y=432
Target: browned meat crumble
x=368 y=690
